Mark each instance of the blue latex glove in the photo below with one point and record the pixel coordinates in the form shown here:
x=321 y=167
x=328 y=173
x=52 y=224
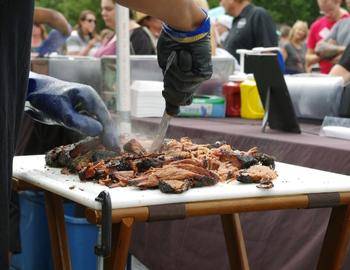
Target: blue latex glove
x=53 y=42
x=75 y=106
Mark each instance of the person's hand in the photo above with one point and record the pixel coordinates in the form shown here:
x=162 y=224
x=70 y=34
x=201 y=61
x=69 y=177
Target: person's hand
x=75 y=106
x=93 y=42
x=185 y=60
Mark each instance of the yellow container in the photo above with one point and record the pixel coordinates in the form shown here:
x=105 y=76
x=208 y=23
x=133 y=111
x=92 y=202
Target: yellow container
x=251 y=106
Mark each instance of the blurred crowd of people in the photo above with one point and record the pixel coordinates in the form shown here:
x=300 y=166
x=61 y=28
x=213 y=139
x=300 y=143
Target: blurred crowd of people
x=319 y=48
x=244 y=26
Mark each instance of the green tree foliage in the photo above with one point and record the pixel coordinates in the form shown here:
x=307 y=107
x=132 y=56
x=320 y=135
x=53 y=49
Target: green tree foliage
x=72 y=8
x=213 y=3
x=282 y=11
x=286 y=11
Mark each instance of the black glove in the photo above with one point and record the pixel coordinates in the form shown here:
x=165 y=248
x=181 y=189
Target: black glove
x=185 y=59
x=73 y=105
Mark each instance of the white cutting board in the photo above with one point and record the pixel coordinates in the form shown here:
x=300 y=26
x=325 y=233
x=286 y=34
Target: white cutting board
x=292 y=180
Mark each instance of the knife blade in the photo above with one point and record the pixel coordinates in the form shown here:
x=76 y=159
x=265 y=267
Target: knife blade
x=163 y=127
x=185 y=65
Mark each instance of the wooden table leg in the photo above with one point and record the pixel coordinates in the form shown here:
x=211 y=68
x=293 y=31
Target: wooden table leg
x=336 y=241
x=121 y=237
x=57 y=229
x=235 y=242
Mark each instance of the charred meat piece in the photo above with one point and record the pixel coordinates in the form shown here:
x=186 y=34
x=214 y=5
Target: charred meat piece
x=211 y=164
x=122 y=176
x=266 y=160
x=144 y=164
x=145 y=181
x=227 y=172
x=265 y=184
x=174 y=186
x=226 y=154
x=92 y=156
x=199 y=170
x=174 y=173
x=204 y=181
x=80 y=162
x=94 y=171
x=246 y=161
x=63 y=156
x=192 y=161
x=177 y=155
x=59 y=156
x=85 y=146
x=134 y=147
x=256 y=174
x=186 y=172
x=119 y=165
x=102 y=155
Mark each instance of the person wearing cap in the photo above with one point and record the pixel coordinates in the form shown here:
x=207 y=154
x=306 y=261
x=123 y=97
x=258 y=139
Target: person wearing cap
x=144 y=38
x=183 y=55
x=252 y=27
x=343 y=67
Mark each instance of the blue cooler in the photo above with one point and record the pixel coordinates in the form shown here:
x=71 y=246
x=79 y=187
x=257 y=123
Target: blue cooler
x=36 y=249
x=35 y=238
x=82 y=238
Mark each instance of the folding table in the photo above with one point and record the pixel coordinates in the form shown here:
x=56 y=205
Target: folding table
x=118 y=209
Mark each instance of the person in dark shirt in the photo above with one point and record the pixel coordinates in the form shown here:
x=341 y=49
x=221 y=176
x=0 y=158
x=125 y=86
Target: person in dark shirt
x=252 y=27
x=343 y=67
x=144 y=38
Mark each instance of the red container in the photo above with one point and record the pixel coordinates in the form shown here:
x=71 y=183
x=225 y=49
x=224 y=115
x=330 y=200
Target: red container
x=232 y=92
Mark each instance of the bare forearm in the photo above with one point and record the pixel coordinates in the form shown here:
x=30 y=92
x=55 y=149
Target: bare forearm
x=328 y=49
x=53 y=18
x=182 y=15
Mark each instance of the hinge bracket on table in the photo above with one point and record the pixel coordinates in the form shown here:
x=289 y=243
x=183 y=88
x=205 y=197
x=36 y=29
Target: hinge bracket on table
x=323 y=200
x=104 y=248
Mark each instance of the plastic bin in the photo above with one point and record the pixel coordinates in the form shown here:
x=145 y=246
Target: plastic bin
x=36 y=249
x=232 y=92
x=82 y=237
x=251 y=106
x=204 y=106
x=35 y=237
